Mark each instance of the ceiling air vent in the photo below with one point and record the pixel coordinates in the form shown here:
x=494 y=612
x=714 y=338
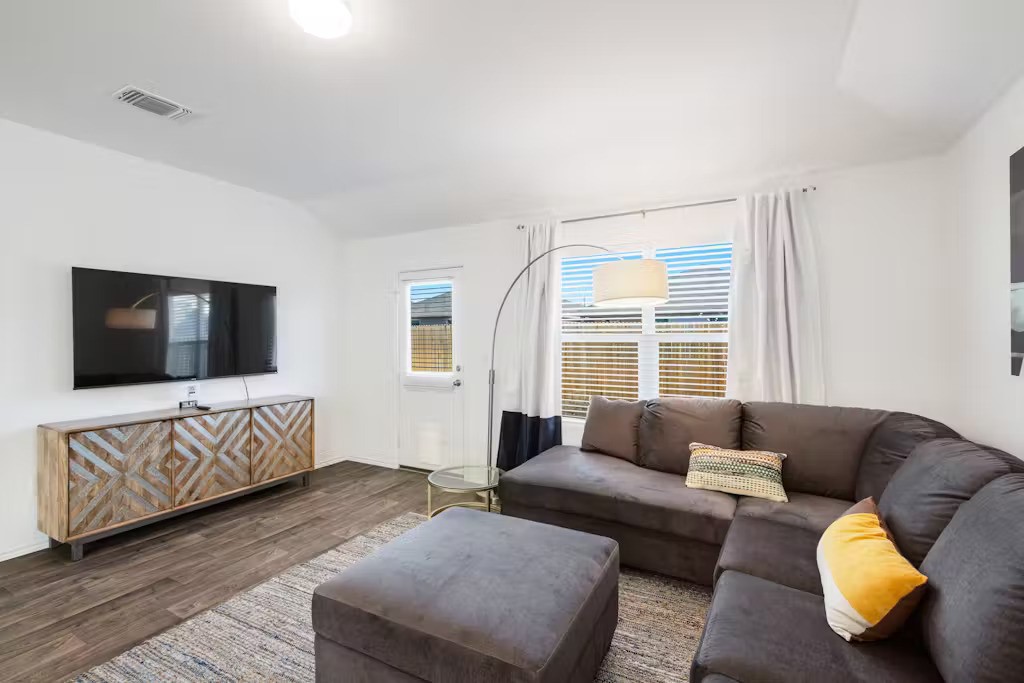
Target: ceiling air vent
x=154 y=104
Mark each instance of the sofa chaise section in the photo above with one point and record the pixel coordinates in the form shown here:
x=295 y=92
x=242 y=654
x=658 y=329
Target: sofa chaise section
x=660 y=524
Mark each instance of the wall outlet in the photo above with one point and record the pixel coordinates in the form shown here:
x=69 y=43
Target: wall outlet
x=192 y=389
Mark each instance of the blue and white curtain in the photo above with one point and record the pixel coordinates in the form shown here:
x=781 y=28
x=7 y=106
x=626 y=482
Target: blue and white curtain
x=530 y=419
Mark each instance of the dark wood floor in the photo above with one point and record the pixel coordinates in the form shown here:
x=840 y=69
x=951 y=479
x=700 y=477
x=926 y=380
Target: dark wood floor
x=58 y=618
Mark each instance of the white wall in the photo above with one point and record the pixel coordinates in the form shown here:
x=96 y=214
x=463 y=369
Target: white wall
x=880 y=234
x=990 y=401
x=65 y=203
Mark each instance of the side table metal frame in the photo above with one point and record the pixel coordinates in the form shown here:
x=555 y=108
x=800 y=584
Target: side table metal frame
x=487 y=504
x=487 y=491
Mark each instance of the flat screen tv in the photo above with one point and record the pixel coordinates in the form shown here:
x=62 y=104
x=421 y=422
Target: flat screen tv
x=131 y=328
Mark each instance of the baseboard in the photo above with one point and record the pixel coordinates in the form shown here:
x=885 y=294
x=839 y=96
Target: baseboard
x=23 y=550
x=324 y=462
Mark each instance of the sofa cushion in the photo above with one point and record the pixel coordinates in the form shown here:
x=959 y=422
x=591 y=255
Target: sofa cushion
x=890 y=444
x=761 y=631
x=567 y=479
x=804 y=510
x=456 y=598
x=669 y=425
x=929 y=488
x=823 y=444
x=773 y=551
x=612 y=427
x=973 y=616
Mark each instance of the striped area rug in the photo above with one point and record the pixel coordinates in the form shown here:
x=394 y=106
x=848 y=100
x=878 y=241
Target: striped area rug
x=265 y=634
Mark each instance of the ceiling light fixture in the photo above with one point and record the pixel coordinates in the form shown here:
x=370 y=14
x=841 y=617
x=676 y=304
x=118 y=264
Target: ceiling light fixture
x=321 y=18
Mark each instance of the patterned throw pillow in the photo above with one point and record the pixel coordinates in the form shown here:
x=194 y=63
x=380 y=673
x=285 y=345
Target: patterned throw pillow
x=745 y=473
x=870 y=589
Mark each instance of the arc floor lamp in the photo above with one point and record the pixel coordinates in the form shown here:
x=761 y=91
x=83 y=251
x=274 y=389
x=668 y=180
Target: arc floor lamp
x=621 y=283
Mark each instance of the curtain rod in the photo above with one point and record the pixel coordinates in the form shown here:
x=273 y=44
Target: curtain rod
x=727 y=200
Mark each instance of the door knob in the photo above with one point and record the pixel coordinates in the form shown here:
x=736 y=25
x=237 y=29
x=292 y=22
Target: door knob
x=457 y=383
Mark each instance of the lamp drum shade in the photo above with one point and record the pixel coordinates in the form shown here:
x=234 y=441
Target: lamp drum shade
x=641 y=282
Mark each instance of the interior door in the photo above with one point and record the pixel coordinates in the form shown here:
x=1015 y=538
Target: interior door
x=430 y=377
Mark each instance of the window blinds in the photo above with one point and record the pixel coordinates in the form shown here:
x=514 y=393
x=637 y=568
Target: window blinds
x=677 y=349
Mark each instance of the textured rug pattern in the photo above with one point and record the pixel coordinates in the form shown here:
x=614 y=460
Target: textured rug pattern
x=265 y=634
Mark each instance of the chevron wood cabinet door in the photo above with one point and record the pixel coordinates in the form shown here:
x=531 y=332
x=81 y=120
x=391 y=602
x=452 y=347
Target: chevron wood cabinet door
x=118 y=474
x=282 y=440
x=211 y=455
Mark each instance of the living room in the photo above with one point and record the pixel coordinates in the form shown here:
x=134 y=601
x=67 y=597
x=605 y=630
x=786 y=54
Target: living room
x=652 y=237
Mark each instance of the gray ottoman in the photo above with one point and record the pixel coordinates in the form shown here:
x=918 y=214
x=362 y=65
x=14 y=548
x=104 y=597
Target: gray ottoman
x=475 y=597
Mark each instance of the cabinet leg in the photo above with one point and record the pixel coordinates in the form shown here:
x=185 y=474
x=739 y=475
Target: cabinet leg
x=54 y=543
x=305 y=480
x=77 y=550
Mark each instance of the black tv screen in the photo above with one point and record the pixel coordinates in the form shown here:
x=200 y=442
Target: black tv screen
x=131 y=328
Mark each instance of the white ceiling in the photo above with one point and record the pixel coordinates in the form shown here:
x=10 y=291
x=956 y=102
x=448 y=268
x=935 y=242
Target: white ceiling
x=438 y=112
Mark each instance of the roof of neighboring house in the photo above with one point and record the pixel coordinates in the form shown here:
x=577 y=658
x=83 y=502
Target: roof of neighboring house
x=439 y=306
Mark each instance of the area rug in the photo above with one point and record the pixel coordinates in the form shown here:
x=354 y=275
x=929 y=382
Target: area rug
x=265 y=633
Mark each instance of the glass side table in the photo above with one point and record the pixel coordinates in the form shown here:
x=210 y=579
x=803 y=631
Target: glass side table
x=475 y=479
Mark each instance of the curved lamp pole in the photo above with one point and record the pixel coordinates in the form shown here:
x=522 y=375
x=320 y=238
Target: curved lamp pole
x=494 y=341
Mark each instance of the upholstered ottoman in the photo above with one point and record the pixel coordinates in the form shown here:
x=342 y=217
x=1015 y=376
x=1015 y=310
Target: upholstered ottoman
x=475 y=597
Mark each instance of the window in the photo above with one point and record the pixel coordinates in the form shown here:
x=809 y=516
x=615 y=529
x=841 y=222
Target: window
x=676 y=349
x=430 y=326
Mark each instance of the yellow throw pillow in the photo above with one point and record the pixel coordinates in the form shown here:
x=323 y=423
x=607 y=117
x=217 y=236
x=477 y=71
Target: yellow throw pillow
x=744 y=473
x=870 y=588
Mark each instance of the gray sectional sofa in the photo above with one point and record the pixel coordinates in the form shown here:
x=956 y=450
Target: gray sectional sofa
x=835 y=456
x=956 y=510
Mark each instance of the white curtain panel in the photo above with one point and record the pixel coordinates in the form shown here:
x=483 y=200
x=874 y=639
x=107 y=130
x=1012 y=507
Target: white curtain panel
x=775 y=331
x=530 y=421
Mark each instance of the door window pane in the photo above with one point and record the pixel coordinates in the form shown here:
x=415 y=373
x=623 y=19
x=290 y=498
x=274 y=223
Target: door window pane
x=430 y=327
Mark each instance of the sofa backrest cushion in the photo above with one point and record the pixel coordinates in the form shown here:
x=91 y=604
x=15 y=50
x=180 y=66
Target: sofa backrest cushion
x=669 y=425
x=823 y=444
x=612 y=427
x=972 y=617
x=889 y=445
x=925 y=493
